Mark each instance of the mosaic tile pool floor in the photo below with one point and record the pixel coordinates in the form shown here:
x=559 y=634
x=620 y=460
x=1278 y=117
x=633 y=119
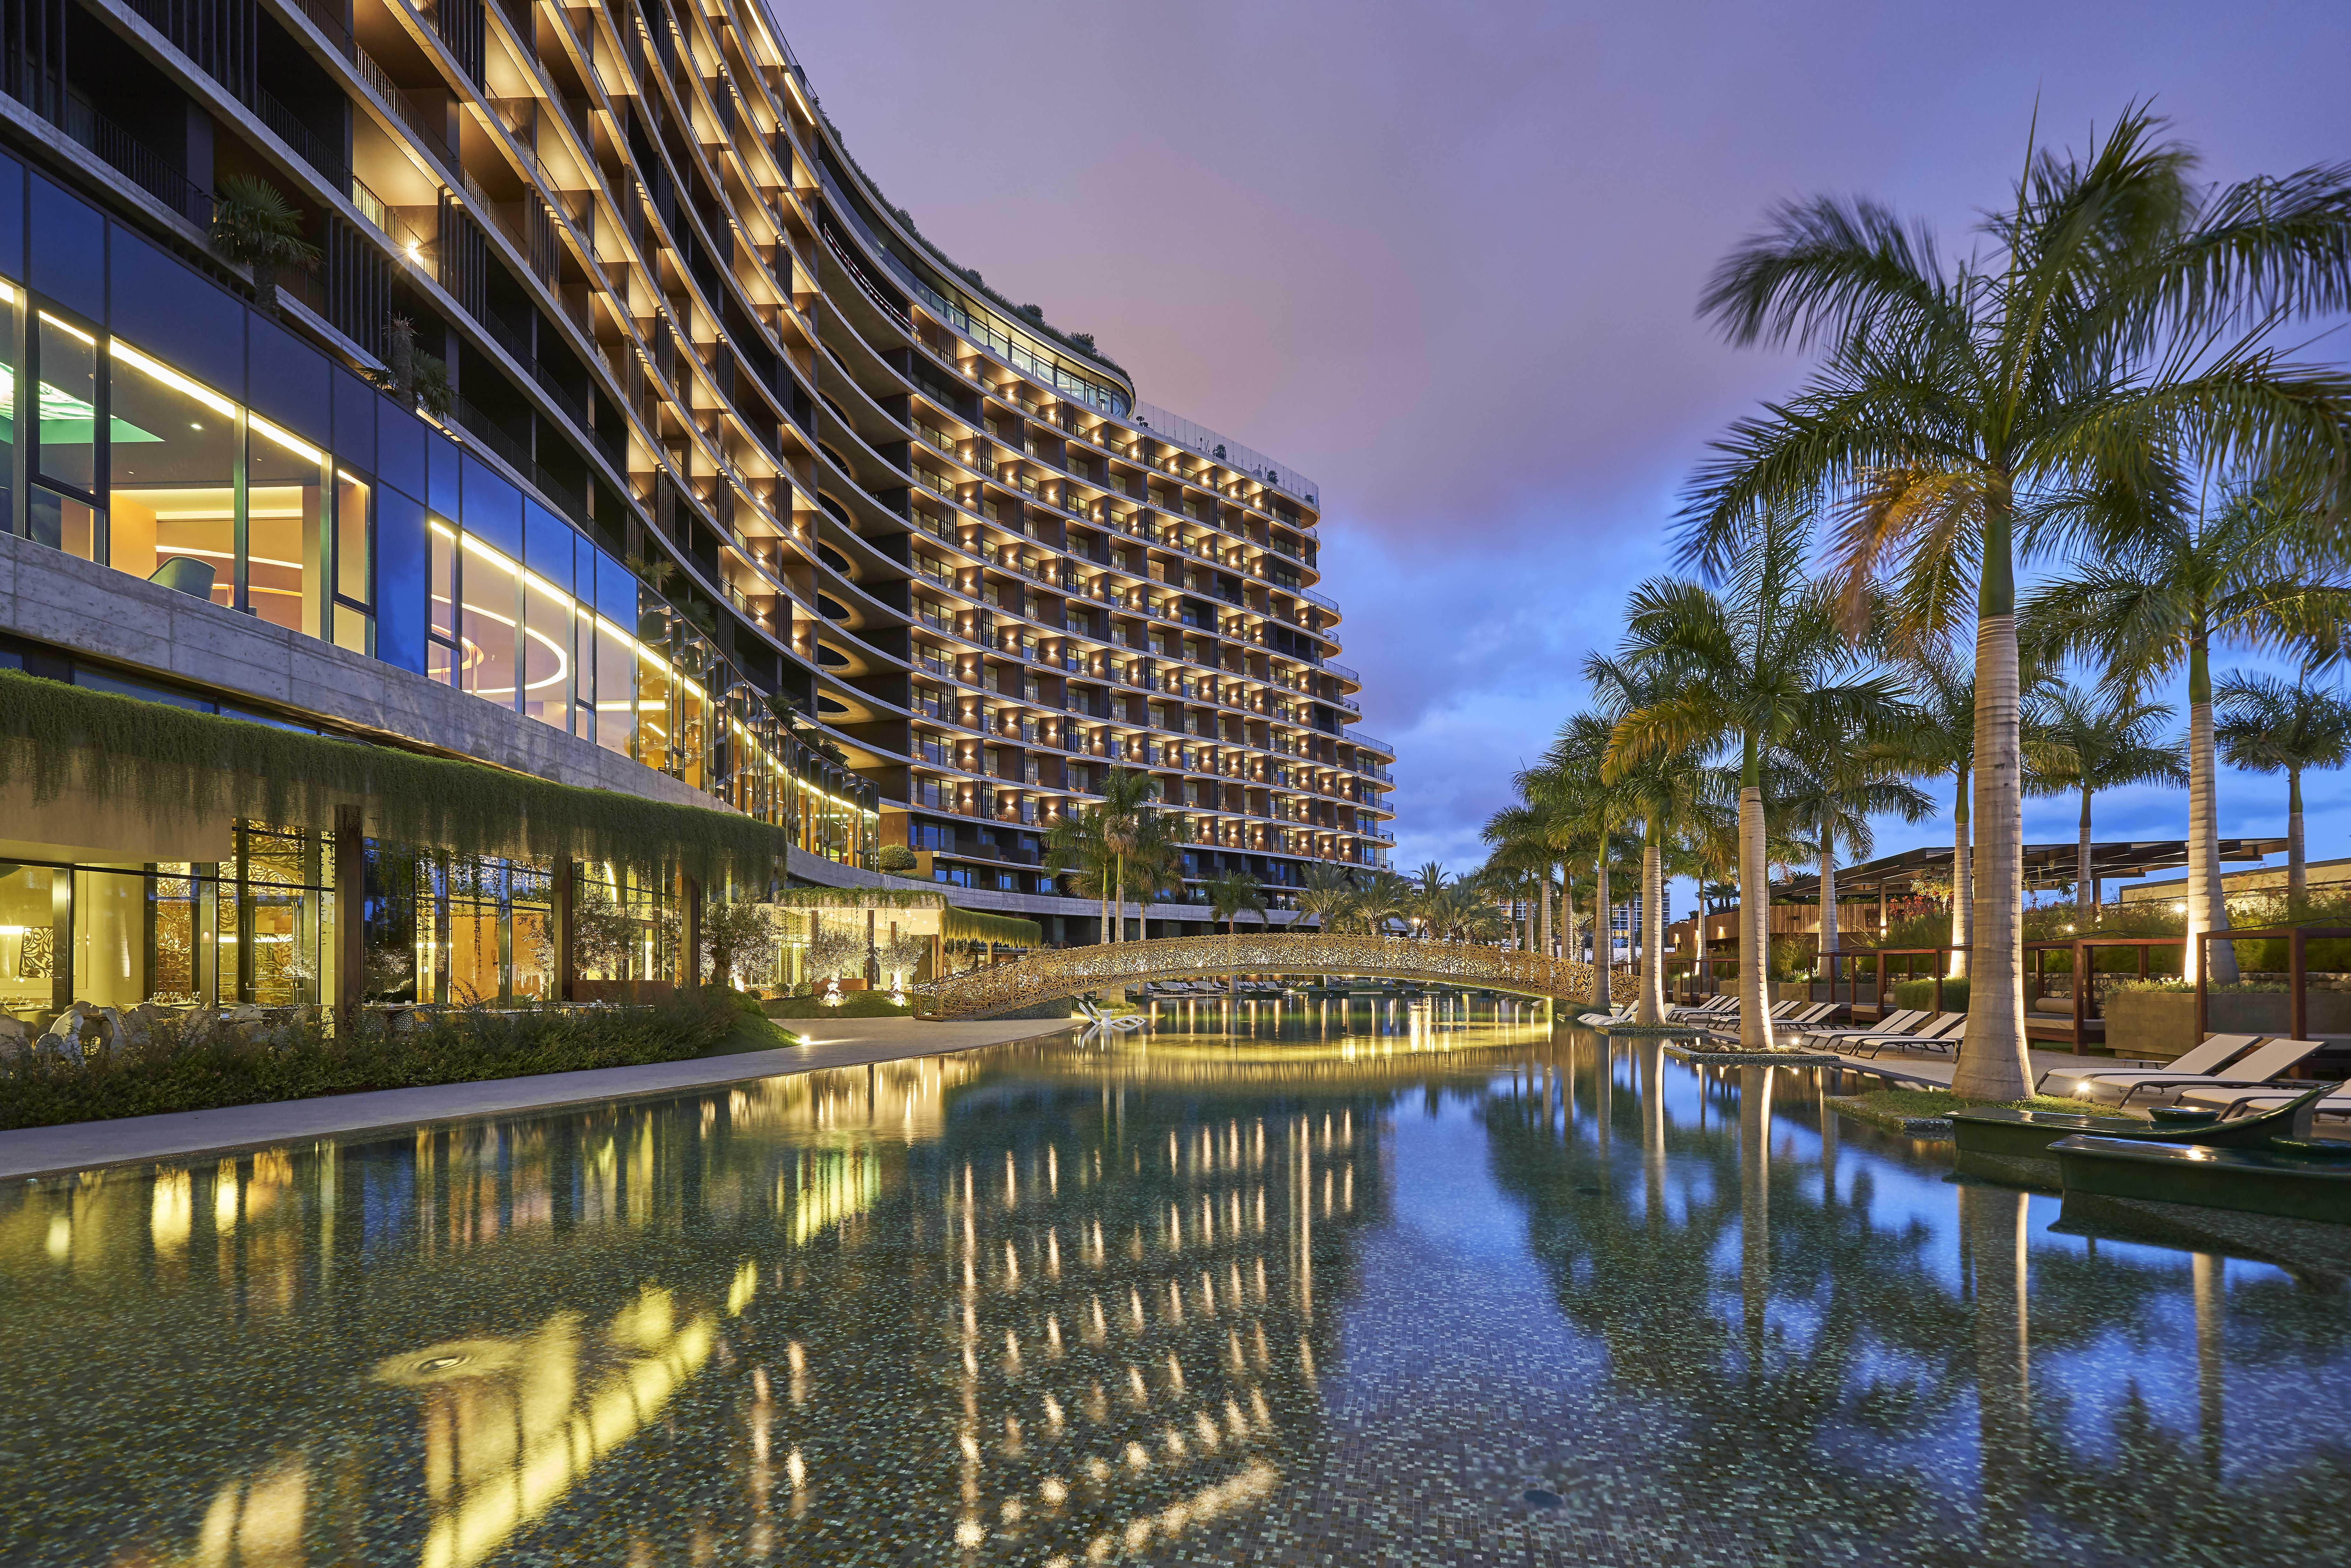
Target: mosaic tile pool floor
x=1476 y=1295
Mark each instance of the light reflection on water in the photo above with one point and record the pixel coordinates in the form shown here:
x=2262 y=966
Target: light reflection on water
x=1339 y=1283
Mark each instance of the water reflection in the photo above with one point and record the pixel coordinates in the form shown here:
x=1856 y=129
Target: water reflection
x=1325 y=1288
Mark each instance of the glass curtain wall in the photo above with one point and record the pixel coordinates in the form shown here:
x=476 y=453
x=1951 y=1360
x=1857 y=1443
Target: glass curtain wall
x=134 y=464
x=257 y=929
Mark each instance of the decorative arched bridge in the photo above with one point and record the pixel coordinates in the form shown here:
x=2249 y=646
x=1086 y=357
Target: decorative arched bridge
x=1051 y=976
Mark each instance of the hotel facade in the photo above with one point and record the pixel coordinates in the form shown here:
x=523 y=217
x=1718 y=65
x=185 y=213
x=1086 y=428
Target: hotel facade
x=613 y=432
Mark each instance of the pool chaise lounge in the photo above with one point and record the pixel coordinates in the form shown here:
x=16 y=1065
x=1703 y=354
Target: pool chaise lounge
x=2216 y=1050
x=2255 y=1070
x=1940 y=1033
x=1895 y=1023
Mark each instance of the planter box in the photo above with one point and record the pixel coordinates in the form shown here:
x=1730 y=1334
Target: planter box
x=2159 y=1025
x=2162 y=1024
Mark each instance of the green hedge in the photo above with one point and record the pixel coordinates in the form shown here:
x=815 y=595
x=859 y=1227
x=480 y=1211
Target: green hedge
x=853 y=1005
x=179 y=1070
x=1921 y=994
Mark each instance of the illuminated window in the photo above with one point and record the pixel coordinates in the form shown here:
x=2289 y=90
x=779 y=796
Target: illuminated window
x=171 y=501
x=353 y=566
x=487 y=624
x=285 y=489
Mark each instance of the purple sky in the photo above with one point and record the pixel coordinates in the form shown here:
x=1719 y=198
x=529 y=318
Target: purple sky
x=1445 y=259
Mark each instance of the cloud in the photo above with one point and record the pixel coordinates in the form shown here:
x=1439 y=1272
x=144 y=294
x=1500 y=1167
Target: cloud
x=1445 y=258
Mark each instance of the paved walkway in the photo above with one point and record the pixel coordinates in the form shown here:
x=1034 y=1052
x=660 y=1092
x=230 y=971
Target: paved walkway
x=828 y=1042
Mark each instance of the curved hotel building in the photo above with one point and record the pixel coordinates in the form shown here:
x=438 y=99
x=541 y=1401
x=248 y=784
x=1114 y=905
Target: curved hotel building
x=605 y=427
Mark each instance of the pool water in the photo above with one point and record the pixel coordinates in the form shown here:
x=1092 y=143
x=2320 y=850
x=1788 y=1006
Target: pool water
x=1401 y=1290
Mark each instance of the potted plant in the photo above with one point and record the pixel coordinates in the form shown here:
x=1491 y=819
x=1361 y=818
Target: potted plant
x=253 y=223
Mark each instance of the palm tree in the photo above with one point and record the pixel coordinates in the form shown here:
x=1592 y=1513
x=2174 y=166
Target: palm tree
x=1960 y=403
x=255 y=223
x=1427 y=899
x=1835 y=790
x=1572 y=785
x=1322 y=894
x=1672 y=790
x=1748 y=669
x=2268 y=725
x=1077 y=845
x=1231 y=894
x=1132 y=832
x=1940 y=742
x=1526 y=835
x=2086 y=741
x=2154 y=587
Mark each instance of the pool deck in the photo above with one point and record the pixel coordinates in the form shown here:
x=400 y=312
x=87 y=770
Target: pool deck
x=33 y=1151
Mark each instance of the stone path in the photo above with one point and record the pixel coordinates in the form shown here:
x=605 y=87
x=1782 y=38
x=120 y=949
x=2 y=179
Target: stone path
x=842 y=1042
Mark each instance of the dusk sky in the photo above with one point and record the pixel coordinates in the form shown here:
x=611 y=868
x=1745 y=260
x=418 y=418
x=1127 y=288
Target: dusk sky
x=1445 y=259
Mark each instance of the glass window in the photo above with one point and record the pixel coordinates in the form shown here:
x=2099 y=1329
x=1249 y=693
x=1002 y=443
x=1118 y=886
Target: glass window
x=616 y=687
x=440 y=662
x=66 y=449
x=652 y=709
x=485 y=629
x=11 y=303
x=354 y=563
x=546 y=652
x=173 y=460
x=27 y=944
x=284 y=479
x=583 y=670
x=62 y=522
x=285 y=920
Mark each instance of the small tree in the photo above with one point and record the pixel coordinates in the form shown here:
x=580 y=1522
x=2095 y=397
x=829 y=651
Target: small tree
x=254 y=223
x=603 y=934
x=739 y=938
x=893 y=858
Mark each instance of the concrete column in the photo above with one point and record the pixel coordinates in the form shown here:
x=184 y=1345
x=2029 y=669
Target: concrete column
x=351 y=913
x=560 y=895
x=689 y=907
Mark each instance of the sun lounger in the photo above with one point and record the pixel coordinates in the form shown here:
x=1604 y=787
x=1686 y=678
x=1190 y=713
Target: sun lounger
x=1722 y=1002
x=1895 y=1022
x=2253 y=1102
x=2195 y=1062
x=1098 y=1019
x=1939 y=1033
x=2253 y=1070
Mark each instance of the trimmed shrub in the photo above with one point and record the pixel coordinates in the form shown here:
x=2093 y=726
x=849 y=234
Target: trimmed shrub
x=1921 y=994
x=179 y=1067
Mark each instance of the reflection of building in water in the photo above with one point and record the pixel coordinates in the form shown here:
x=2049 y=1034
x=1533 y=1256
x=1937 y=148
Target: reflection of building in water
x=509 y=1424
x=702 y=1327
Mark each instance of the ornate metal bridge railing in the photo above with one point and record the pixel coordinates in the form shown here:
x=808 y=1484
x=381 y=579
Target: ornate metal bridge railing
x=1072 y=971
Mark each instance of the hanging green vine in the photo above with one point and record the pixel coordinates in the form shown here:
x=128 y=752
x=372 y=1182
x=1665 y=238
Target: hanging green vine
x=175 y=764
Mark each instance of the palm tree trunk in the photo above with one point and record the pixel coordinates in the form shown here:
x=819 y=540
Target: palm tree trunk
x=1697 y=935
x=2296 y=873
x=1754 y=921
x=2208 y=909
x=1992 y=1062
x=1828 y=894
x=1601 y=997
x=1547 y=951
x=2085 y=902
x=1963 y=881
x=1653 y=928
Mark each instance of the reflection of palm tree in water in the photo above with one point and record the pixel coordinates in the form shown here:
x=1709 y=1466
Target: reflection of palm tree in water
x=1852 y=1345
